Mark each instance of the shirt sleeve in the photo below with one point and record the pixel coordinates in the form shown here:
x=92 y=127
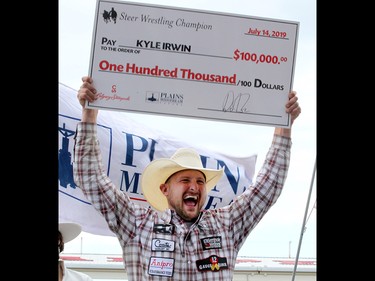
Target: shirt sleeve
x=251 y=206
x=91 y=177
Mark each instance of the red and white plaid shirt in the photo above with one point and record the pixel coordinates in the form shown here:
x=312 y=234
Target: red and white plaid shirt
x=205 y=250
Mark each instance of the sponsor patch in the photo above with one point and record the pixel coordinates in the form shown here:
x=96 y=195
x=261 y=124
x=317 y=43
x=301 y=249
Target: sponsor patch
x=163 y=245
x=209 y=243
x=163 y=228
x=212 y=263
x=161 y=266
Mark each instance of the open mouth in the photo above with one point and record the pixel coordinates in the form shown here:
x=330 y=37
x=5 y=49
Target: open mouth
x=191 y=200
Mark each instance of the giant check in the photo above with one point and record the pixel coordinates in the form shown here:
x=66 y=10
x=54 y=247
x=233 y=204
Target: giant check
x=191 y=63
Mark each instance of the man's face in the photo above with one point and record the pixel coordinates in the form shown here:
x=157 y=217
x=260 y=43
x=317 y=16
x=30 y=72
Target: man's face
x=186 y=193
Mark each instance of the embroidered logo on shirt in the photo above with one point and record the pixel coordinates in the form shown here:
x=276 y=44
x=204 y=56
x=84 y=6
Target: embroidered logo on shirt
x=161 y=266
x=209 y=243
x=212 y=263
x=163 y=228
x=164 y=245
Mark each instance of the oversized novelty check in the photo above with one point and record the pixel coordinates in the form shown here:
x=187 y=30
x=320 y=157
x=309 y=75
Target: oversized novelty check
x=191 y=63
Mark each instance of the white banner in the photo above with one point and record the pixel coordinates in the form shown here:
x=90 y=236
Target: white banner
x=127 y=147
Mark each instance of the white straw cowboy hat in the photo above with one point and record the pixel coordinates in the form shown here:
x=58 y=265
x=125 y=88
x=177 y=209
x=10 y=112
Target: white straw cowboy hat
x=159 y=170
x=69 y=231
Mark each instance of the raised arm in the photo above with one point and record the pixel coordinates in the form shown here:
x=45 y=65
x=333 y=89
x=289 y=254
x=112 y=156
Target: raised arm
x=294 y=109
x=87 y=92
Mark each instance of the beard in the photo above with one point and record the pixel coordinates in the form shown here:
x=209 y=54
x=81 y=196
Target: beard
x=188 y=213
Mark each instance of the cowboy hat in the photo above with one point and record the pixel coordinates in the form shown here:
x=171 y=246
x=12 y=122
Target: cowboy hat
x=69 y=231
x=159 y=170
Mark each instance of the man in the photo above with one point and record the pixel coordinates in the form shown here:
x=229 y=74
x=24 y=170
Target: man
x=177 y=239
x=67 y=232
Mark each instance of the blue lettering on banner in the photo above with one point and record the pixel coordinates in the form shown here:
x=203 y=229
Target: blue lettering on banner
x=129 y=180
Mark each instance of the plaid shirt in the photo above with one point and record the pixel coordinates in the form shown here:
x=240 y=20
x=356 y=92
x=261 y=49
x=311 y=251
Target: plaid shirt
x=205 y=250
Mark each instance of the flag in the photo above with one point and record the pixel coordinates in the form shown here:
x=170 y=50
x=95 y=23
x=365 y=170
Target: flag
x=127 y=147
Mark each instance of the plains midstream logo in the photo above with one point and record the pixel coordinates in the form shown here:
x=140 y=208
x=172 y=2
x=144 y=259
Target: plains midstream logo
x=162 y=97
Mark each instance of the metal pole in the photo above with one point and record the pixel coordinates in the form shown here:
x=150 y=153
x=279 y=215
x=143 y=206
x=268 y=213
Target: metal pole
x=304 y=222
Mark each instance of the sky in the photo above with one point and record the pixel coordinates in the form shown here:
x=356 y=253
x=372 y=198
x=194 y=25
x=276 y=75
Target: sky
x=289 y=228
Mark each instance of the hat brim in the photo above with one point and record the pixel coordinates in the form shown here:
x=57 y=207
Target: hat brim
x=159 y=170
x=69 y=231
